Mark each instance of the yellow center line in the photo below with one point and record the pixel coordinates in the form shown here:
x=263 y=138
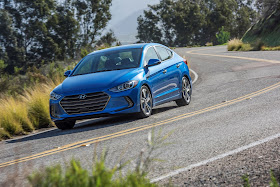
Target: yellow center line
x=140 y=128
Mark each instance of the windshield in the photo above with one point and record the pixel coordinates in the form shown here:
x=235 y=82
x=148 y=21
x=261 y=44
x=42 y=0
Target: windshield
x=109 y=61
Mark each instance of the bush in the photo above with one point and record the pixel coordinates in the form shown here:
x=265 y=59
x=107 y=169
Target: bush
x=75 y=175
x=222 y=36
x=234 y=45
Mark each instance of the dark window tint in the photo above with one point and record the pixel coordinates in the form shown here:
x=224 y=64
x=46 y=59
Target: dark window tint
x=150 y=54
x=109 y=61
x=163 y=53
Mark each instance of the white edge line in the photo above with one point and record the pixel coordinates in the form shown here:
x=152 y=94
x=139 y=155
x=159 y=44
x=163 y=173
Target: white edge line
x=195 y=76
x=215 y=158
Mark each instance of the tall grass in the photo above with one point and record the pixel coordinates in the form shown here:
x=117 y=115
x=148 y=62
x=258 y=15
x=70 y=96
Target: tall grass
x=238 y=45
x=28 y=112
x=234 y=45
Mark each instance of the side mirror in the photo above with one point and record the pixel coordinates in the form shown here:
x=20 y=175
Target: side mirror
x=67 y=73
x=153 y=62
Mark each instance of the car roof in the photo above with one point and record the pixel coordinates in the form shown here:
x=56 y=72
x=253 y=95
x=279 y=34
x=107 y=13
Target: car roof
x=131 y=46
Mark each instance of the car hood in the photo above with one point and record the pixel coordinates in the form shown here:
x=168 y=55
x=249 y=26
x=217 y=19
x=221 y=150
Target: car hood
x=95 y=82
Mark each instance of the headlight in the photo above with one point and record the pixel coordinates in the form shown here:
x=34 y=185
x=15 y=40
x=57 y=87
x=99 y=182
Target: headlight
x=54 y=96
x=125 y=86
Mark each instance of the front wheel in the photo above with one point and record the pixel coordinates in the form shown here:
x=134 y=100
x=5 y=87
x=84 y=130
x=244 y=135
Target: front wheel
x=145 y=102
x=65 y=125
x=186 y=93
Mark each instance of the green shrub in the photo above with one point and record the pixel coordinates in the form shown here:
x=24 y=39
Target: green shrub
x=222 y=36
x=75 y=175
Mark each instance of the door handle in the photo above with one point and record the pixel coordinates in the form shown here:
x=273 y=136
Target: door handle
x=178 y=65
x=164 y=71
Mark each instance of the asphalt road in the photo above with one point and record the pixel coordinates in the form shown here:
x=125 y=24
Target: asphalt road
x=235 y=102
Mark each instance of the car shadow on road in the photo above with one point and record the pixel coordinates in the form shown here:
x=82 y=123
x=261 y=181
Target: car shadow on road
x=88 y=125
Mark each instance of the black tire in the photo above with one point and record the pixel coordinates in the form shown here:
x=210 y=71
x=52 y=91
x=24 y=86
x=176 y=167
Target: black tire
x=65 y=125
x=186 y=93
x=146 y=102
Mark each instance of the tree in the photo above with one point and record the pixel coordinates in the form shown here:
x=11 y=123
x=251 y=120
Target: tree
x=64 y=28
x=267 y=7
x=93 y=16
x=148 y=31
x=11 y=52
x=108 y=39
x=42 y=31
x=194 y=22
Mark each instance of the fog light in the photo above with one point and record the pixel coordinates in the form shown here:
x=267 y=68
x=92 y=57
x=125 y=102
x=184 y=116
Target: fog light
x=129 y=101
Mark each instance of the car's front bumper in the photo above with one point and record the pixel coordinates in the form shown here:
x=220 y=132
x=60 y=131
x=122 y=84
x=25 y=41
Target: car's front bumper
x=118 y=103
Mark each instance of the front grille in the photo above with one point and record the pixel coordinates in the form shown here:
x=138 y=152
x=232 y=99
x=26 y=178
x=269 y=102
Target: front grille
x=94 y=102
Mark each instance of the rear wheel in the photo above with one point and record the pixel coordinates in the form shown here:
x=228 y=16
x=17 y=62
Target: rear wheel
x=186 y=93
x=65 y=125
x=145 y=102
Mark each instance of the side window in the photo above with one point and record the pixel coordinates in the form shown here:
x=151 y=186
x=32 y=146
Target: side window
x=163 y=53
x=169 y=53
x=150 y=54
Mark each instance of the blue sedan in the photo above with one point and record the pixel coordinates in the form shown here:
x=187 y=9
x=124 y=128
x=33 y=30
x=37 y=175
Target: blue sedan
x=121 y=80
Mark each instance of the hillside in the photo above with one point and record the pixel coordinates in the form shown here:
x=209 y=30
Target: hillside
x=266 y=30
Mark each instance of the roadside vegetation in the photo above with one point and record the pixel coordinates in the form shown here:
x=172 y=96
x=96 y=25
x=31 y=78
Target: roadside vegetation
x=75 y=175
x=263 y=35
x=28 y=111
x=34 y=53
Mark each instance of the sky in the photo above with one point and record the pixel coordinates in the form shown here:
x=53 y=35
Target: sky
x=124 y=17
x=121 y=9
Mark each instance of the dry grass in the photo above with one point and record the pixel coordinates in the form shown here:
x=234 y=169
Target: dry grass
x=234 y=45
x=28 y=112
x=238 y=45
x=271 y=48
x=208 y=44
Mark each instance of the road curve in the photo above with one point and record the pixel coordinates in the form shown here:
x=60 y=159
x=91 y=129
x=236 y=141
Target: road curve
x=235 y=102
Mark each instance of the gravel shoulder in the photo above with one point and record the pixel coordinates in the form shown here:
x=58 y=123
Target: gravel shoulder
x=255 y=162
